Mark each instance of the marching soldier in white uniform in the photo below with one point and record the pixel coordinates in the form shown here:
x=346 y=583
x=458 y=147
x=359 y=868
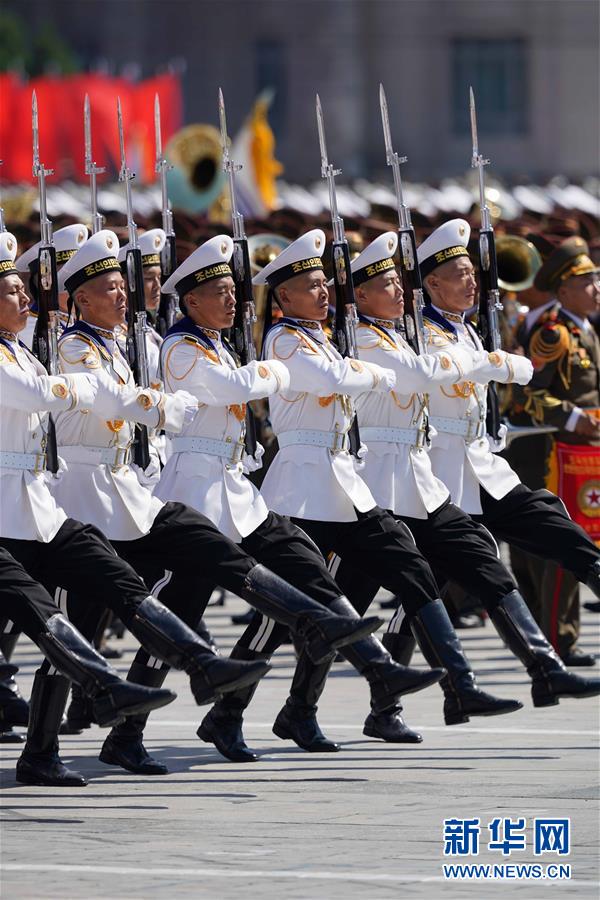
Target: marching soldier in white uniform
x=67 y=242
x=55 y=549
x=398 y=469
x=160 y=540
x=206 y=471
x=315 y=480
x=481 y=482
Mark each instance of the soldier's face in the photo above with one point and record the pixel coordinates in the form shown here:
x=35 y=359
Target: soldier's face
x=103 y=300
x=305 y=296
x=381 y=297
x=452 y=286
x=581 y=294
x=213 y=304
x=14 y=304
x=152 y=275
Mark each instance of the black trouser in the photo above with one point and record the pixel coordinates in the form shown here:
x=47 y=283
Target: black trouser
x=537 y=522
x=22 y=599
x=185 y=554
x=277 y=544
x=80 y=559
x=455 y=547
x=374 y=543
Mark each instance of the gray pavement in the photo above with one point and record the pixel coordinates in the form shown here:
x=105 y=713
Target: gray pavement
x=366 y=822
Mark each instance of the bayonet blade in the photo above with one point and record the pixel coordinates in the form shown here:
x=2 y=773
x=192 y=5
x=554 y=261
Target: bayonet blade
x=122 y=174
x=223 y=125
x=157 y=129
x=35 y=129
x=322 y=142
x=385 y=119
x=473 y=112
x=87 y=130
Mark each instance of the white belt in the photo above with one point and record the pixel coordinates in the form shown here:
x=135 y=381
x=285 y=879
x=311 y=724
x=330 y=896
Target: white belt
x=231 y=450
x=469 y=429
x=414 y=436
x=115 y=457
x=336 y=441
x=32 y=462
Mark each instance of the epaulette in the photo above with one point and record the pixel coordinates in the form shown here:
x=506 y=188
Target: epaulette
x=90 y=357
x=6 y=355
x=190 y=339
x=437 y=336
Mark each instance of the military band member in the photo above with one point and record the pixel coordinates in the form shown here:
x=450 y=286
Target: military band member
x=564 y=392
x=482 y=483
x=165 y=542
x=67 y=242
x=61 y=552
x=206 y=470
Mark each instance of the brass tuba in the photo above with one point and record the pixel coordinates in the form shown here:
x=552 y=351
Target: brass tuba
x=518 y=262
x=263 y=248
x=197 y=180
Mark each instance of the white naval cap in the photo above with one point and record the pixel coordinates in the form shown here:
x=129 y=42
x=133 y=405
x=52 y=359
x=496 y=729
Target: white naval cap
x=210 y=260
x=67 y=242
x=376 y=258
x=301 y=256
x=447 y=242
x=95 y=257
x=8 y=251
x=150 y=243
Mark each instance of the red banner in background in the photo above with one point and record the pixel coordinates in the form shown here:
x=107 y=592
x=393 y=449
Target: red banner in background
x=60 y=105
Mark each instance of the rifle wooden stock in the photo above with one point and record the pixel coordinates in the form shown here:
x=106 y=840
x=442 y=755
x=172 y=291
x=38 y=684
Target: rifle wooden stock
x=45 y=336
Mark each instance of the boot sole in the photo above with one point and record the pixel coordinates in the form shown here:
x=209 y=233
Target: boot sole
x=116 y=715
x=207 y=736
x=553 y=699
x=319 y=649
x=286 y=735
x=258 y=671
x=461 y=718
x=48 y=782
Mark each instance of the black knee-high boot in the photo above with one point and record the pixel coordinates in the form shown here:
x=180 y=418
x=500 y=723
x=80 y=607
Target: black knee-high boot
x=222 y=725
x=440 y=646
x=550 y=679
x=321 y=629
x=112 y=697
x=165 y=636
x=39 y=762
x=388 y=681
x=124 y=745
x=297 y=720
x=14 y=709
x=389 y=725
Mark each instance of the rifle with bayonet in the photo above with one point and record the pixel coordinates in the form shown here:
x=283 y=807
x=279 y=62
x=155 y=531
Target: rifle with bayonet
x=136 y=304
x=45 y=336
x=245 y=310
x=91 y=168
x=2 y=222
x=346 y=317
x=167 y=309
x=489 y=294
x=407 y=244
